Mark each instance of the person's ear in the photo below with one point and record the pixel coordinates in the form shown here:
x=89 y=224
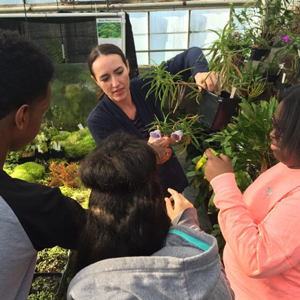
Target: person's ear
x=94 y=79
x=22 y=116
x=127 y=66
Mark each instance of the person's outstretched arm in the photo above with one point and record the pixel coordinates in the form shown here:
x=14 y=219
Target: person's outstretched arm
x=194 y=60
x=181 y=211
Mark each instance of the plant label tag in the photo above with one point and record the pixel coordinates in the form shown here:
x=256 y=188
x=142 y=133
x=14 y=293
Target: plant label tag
x=39 y=149
x=54 y=145
x=283 y=77
x=58 y=146
x=80 y=126
x=232 y=92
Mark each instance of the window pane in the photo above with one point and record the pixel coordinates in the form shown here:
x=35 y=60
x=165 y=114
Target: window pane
x=8 y=2
x=141 y=42
x=201 y=21
x=139 y=23
x=142 y=59
x=202 y=39
x=168 y=41
x=208 y=19
x=158 y=57
x=168 y=21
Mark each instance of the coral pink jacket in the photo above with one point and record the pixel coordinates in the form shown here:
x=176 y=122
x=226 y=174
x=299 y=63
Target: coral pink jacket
x=262 y=233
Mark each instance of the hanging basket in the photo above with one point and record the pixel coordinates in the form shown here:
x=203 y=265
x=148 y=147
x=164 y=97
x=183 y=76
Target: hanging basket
x=216 y=111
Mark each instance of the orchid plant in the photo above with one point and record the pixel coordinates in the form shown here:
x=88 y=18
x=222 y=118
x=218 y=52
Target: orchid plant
x=184 y=130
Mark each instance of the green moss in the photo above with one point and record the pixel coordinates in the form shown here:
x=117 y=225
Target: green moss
x=79 y=143
x=29 y=171
x=62 y=136
x=8 y=171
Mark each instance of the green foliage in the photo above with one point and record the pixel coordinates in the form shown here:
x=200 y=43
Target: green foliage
x=61 y=136
x=247 y=143
x=189 y=126
x=229 y=42
x=272 y=66
x=28 y=151
x=52 y=260
x=41 y=140
x=167 y=86
x=73 y=97
x=30 y=171
x=7 y=168
x=109 y=30
x=54 y=48
x=251 y=83
x=49 y=260
x=12 y=157
x=247 y=140
x=81 y=195
x=76 y=144
x=40 y=289
x=199 y=182
x=263 y=20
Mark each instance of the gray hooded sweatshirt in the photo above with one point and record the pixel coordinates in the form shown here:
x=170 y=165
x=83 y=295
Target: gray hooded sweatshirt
x=187 y=267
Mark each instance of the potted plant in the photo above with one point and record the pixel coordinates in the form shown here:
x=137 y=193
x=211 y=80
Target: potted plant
x=289 y=55
x=184 y=129
x=27 y=154
x=272 y=69
x=41 y=146
x=247 y=140
x=216 y=110
x=252 y=83
x=230 y=46
x=262 y=23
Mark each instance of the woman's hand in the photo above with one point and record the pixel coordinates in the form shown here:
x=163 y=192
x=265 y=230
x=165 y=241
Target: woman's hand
x=161 y=148
x=176 y=203
x=216 y=166
x=206 y=80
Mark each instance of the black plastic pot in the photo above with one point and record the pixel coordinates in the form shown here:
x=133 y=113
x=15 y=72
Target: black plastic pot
x=216 y=111
x=57 y=154
x=23 y=160
x=283 y=86
x=75 y=159
x=258 y=54
x=44 y=156
x=272 y=78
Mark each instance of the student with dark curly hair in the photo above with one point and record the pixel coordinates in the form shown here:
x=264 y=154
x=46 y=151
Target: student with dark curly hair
x=260 y=227
x=130 y=250
x=32 y=216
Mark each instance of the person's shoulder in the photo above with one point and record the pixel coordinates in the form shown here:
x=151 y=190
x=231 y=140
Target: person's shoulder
x=100 y=109
x=192 y=236
x=15 y=190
